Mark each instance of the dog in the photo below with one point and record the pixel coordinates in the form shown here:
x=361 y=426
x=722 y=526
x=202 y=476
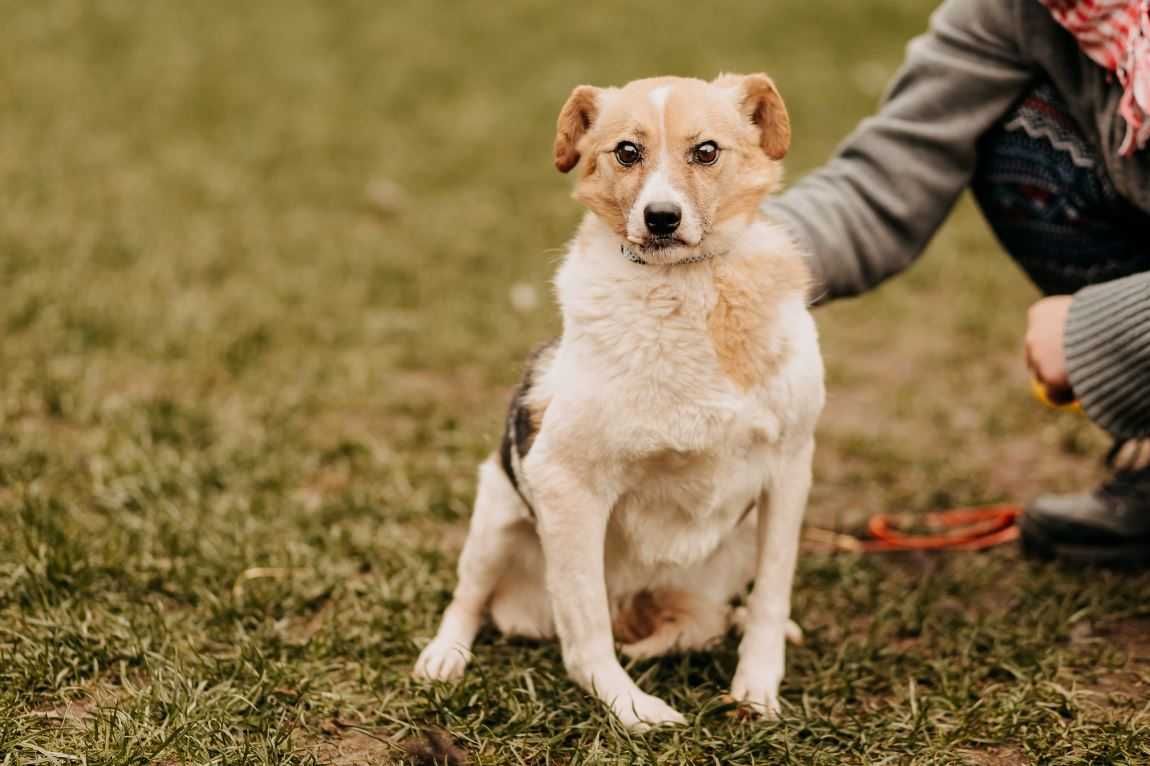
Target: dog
x=657 y=456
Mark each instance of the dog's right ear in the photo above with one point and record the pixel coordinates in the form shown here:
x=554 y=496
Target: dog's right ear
x=760 y=102
x=575 y=119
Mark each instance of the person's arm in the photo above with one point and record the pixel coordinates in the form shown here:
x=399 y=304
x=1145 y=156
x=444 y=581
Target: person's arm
x=871 y=210
x=1107 y=346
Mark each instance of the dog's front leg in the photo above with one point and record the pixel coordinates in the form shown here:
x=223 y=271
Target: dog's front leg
x=572 y=523
x=484 y=559
x=762 y=651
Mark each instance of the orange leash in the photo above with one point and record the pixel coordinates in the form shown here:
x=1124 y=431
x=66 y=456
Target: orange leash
x=959 y=529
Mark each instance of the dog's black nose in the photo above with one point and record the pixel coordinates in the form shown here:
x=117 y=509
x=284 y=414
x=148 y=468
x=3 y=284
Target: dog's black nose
x=662 y=218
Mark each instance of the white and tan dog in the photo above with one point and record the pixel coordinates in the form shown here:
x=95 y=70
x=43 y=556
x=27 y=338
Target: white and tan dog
x=657 y=456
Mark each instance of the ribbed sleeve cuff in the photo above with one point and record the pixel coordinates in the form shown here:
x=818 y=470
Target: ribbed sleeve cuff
x=1107 y=345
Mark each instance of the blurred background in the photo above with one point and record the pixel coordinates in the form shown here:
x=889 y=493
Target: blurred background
x=267 y=273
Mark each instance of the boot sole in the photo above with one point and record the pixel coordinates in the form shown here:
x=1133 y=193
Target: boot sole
x=1036 y=543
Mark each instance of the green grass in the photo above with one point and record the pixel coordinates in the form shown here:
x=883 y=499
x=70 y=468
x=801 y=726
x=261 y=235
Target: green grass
x=256 y=334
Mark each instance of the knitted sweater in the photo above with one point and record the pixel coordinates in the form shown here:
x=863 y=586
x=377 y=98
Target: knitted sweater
x=870 y=212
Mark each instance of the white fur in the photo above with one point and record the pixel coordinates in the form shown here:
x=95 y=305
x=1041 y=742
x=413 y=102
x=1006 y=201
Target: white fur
x=658 y=97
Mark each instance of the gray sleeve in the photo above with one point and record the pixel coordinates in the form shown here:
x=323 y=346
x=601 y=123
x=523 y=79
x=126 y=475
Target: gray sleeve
x=1107 y=346
x=870 y=211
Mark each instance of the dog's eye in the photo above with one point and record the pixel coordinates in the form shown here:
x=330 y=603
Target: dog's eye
x=705 y=153
x=627 y=153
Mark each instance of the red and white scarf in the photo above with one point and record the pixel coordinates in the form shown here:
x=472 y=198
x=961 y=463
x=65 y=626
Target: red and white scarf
x=1116 y=35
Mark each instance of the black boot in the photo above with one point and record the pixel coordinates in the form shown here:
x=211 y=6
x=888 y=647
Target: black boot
x=1109 y=526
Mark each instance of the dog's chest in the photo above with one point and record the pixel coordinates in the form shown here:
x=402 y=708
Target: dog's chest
x=693 y=443
x=657 y=369
x=689 y=385
x=678 y=508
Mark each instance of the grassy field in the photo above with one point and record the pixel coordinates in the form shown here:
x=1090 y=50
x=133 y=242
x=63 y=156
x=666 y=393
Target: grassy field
x=256 y=330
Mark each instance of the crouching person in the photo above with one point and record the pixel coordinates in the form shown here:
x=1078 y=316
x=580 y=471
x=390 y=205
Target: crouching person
x=1042 y=109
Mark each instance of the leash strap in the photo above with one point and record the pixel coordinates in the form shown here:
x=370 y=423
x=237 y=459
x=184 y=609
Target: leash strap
x=958 y=529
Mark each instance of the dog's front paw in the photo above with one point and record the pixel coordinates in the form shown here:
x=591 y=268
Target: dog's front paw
x=762 y=662
x=758 y=691
x=441 y=661
x=639 y=711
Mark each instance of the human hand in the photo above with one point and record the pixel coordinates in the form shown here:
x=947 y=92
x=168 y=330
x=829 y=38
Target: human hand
x=1045 y=354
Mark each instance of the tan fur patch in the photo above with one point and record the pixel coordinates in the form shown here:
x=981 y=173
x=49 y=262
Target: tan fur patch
x=745 y=195
x=575 y=119
x=750 y=290
x=535 y=411
x=533 y=402
x=647 y=612
x=763 y=105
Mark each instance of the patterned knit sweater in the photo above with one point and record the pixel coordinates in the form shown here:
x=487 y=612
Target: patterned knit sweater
x=869 y=212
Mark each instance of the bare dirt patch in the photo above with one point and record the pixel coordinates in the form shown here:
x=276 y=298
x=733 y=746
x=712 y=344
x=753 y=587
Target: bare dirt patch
x=1117 y=688
x=345 y=746
x=1006 y=755
x=70 y=713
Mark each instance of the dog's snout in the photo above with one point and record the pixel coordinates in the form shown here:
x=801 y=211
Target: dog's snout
x=662 y=218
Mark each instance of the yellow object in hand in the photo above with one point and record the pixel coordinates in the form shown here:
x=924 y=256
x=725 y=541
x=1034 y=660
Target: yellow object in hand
x=1042 y=394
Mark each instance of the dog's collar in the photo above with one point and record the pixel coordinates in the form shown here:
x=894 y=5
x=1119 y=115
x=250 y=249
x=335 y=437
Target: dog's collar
x=634 y=257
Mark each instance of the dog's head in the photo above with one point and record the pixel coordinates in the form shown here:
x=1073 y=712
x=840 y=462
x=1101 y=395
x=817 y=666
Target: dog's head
x=675 y=167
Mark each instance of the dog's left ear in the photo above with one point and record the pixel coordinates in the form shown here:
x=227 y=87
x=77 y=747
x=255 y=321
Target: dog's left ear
x=575 y=119
x=760 y=101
